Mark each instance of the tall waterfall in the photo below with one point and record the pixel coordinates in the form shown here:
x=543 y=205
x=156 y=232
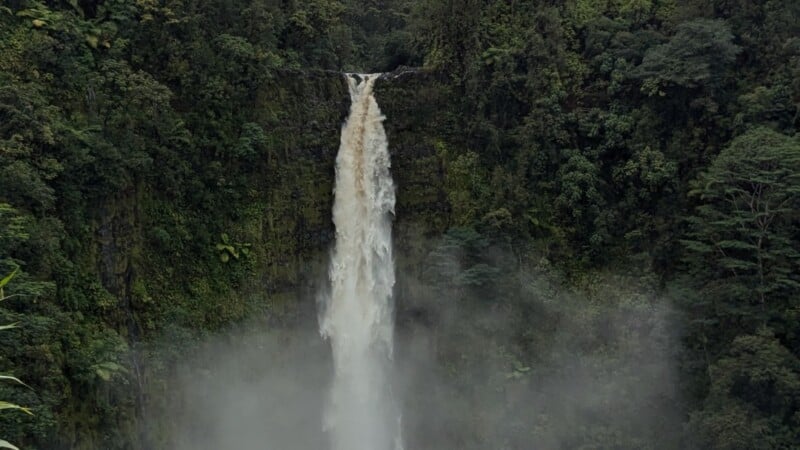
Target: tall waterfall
x=357 y=318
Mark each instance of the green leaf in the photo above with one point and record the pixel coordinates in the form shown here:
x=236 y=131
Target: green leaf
x=8 y=277
x=224 y=247
x=7 y=405
x=104 y=374
x=106 y=370
x=15 y=379
x=6 y=444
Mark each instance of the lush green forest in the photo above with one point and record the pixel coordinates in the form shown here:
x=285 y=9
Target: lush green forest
x=598 y=218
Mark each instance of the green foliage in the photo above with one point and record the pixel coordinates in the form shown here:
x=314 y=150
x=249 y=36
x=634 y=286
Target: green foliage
x=166 y=171
x=700 y=53
x=742 y=235
x=580 y=197
x=3 y=404
x=5 y=281
x=742 y=250
x=466 y=188
x=753 y=399
x=228 y=249
x=457 y=262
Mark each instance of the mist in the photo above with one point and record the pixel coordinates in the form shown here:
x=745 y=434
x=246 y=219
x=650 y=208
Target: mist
x=455 y=339
x=531 y=363
x=254 y=389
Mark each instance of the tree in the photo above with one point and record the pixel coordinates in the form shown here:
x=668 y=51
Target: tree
x=743 y=242
x=742 y=252
x=699 y=54
x=580 y=198
x=754 y=397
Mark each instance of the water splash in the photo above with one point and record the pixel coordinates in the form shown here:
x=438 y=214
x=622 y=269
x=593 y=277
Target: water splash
x=357 y=317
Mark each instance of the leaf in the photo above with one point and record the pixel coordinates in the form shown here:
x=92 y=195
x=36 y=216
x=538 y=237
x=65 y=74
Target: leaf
x=92 y=41
x=111 y=366
x=106 y=370
x=6 y=405
x=38 y=23
x=8 y=327
x=8 y=277
x=15 y=379
x=224 y=247
x=104 y=374
x=6 y=444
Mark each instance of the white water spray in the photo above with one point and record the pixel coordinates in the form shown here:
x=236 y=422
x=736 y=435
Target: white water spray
x=357 y=318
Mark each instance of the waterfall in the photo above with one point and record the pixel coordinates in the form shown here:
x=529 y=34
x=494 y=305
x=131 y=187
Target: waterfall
x=357 y=318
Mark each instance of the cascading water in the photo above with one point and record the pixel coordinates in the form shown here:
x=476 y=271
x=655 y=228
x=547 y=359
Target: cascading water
x=357 y=317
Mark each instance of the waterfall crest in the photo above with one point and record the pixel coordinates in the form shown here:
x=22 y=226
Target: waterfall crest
x=357 y=318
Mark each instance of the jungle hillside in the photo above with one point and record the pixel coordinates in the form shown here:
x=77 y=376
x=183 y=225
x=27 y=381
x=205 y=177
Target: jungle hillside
x=596 y=232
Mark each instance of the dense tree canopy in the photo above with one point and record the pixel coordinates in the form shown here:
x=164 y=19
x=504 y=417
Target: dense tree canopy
x=166 y=171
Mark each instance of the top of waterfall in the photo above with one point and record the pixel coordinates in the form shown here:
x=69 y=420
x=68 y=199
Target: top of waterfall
x=363 y=76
